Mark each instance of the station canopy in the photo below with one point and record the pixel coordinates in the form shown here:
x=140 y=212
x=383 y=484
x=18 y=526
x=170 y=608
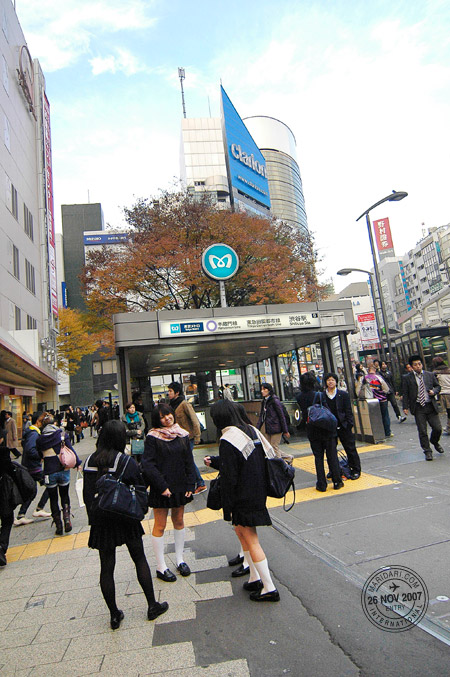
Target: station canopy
x=188 y=341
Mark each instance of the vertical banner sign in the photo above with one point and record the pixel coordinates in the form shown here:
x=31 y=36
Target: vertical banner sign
x=383 y=237
x=368 y=331
x=49 y=210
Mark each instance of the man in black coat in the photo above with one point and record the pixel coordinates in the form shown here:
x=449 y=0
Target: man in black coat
x=338 y=401
x=420 y=389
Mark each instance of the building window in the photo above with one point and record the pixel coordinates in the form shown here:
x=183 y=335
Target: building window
x=31 y=322
x=7 y=134
x=104 y=367
x=16 y=262
x=5 y=74
x=14 y=203
x=28 y=222
x=18 y=318
x=30 y=277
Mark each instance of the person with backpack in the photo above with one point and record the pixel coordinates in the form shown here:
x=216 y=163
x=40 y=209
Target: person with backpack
x=56 y=476
x=272 y=421
x=338 y=402
x=322 y=441
x=110 y=530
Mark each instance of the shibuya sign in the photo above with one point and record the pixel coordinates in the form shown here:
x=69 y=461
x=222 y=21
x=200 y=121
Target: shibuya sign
x=248 y=160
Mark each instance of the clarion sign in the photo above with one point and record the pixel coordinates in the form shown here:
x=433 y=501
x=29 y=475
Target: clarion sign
x=248 y=160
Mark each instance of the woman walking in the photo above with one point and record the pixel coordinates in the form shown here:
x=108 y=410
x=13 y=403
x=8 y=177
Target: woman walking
x=242 y=452
x=272 y=421
x=322 y=441
x=56 y=476
x=134 y=423
x=110 y=530
x=168 y=467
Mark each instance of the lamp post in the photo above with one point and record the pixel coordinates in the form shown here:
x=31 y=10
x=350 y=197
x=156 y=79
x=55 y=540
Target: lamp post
x=347 y=271
x=395 y=196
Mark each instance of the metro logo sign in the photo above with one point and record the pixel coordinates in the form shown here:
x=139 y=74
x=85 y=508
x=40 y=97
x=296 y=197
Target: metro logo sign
x=383 y=236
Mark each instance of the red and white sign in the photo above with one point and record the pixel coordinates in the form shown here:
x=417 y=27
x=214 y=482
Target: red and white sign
x=383 y=235
x=49 y=209
x=368 y=331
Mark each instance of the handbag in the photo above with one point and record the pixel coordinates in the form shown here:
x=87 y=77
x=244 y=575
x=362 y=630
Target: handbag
x=279 y=479
x=79 y=489
x=321 y=417
x=214 y=500
x=115 y=496
x=365 y=391
x=25 y=483
x=66 y=456
x=137 y=447
x=343 y=465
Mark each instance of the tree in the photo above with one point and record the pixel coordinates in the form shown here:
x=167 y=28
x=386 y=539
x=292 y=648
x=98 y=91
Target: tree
x=160 y=265
x=75 y=340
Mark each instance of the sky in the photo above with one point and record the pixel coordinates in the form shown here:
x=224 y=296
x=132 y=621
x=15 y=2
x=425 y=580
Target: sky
x=364 y=86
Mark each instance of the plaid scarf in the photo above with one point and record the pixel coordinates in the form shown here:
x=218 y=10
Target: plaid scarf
x=168 y=433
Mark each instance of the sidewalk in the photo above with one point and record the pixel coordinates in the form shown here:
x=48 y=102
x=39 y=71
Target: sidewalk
x=53 y=620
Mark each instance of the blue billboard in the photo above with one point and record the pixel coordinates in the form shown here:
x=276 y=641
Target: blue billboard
x=106 y=238
x=247 y=165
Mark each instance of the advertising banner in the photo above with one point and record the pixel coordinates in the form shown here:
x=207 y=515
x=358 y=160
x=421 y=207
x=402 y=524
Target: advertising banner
x=383 y=237
x=368 y=331
x=49 y=208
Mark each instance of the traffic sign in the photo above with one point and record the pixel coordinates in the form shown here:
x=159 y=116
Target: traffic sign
x=220 y=262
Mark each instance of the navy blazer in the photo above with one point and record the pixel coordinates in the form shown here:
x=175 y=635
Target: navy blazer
x=343 y=407
x=410 y=390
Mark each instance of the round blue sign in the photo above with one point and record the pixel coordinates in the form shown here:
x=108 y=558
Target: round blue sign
x=220 y=262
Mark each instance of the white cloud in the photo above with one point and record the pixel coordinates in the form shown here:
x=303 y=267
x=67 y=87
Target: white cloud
x=122 y=61
x=59 y=33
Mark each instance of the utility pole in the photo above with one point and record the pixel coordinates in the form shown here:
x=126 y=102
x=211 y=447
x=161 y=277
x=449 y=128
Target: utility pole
x=181 y=75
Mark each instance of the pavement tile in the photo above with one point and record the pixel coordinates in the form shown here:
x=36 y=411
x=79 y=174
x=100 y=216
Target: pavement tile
x=238 y=668
x=12 y=638
x=17 y=658
x=37 y=616
x=25 y=588
x=79 y=583
x=13 y=606
x=78 y=596
x=214 y=590
x=75 y=668
x=159 y=659
x=28 y=567
x=5 y=620
x=77 y=627
x=111 y=642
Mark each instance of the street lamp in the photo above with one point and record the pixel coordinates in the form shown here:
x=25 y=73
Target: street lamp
x=347 y=271
x=395 y=196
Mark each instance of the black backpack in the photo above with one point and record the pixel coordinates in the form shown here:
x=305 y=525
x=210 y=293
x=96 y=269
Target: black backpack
x=287 y=418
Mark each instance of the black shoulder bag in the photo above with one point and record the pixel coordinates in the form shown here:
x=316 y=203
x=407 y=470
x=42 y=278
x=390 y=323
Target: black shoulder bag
x=115 y=496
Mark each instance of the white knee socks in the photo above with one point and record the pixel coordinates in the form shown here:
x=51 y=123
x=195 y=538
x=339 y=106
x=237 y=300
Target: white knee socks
x=158 y=549
x=248 y=562
x=264 y=574
x=179 y=536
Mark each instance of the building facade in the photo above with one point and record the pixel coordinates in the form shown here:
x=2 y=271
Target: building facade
x=28 y=299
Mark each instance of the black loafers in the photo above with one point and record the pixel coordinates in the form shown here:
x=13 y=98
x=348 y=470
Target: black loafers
x=439 y=449
x=183 y=569
x=273 y=596
x=116 y=619
x=338 y=485
x=254 y=586
x=235 y=561
x=240 y=571
x=156 y=609
x=166 y=576
x=355 y=475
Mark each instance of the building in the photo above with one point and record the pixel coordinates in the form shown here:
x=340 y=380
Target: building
x=221 y=156
x=279 y=148
x=28 y=288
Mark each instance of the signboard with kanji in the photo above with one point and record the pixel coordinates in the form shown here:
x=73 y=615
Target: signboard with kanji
x=383 y=237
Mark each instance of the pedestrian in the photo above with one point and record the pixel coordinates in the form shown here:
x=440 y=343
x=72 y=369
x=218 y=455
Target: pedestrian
x=12 y=439
x=388 y=378
x=33 y=463
x=242 y=451
x=134 y=424
x=26 y=422
x=443 y=376
x=380 y=391
x=56 y=476
x=110 y=530
x=360 y=372
x=103 y=414
x=168 y=468
x=322 y=442
x=272 y=422
x=187 y=419
x=227 y=394
x=420 y=391
x=92 y=418
x=80 y=424
x=7 y=502
x=71 y=422
x=338 y=402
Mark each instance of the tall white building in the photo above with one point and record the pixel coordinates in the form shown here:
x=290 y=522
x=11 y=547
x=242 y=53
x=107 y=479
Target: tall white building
x=28 y=290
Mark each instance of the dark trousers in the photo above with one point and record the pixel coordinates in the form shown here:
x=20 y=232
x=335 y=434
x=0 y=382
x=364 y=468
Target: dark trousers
x=38 y=477
x=347 y=439
x=5 y=530
x=385 y=418
x=321 y=446
x=424 y=415
x=393 y=400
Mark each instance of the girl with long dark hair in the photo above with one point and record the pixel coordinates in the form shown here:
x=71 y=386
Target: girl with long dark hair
x=110 y=530
x=168 y=467
x=243 y=450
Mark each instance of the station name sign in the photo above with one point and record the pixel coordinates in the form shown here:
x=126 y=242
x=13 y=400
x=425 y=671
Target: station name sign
x=232 y=325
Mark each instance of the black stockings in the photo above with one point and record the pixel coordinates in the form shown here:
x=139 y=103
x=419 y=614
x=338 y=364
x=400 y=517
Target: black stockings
x=107 y=565
x=53 y=494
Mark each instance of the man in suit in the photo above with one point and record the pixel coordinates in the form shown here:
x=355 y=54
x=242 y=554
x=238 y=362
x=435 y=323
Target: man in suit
x=420 y=389
x=338 y=401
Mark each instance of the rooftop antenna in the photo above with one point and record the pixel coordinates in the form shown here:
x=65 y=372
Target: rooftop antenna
x=209 y=106
x=181 y=75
